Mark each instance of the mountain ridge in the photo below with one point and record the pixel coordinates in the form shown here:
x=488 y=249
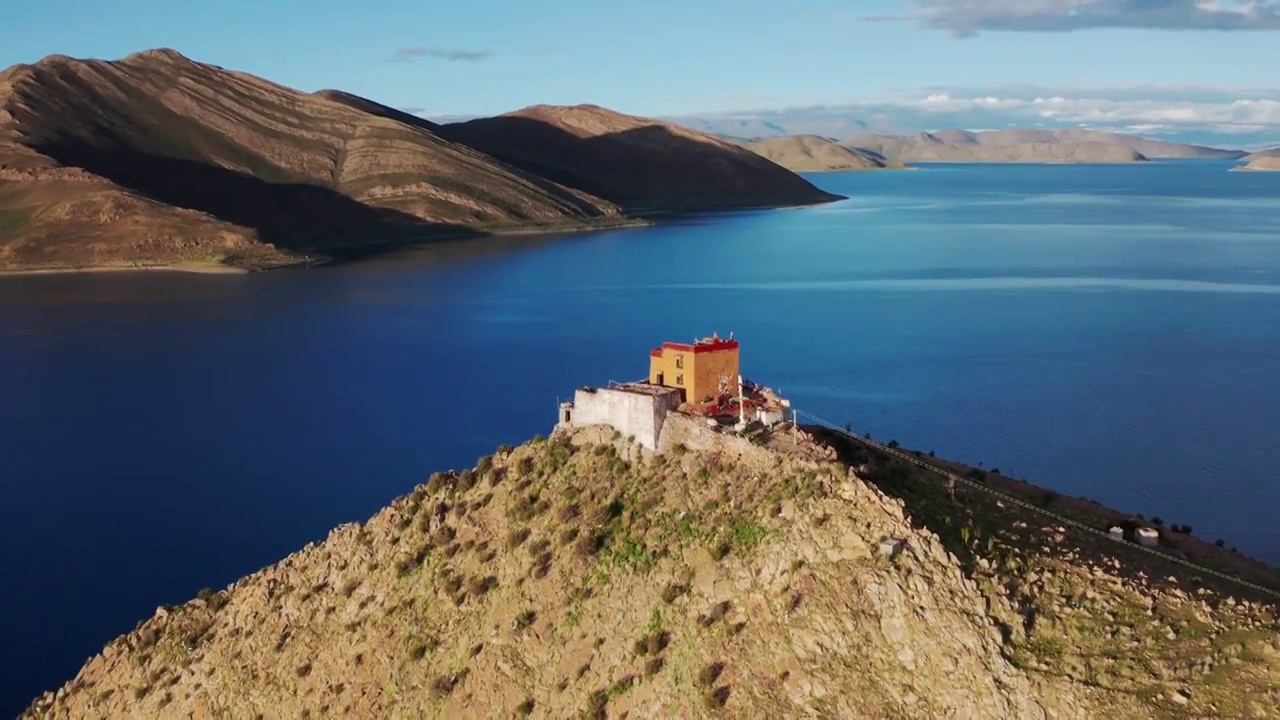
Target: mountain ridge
x=156 y=159
x=961 y=146
x=997 y=146
x=584 y=147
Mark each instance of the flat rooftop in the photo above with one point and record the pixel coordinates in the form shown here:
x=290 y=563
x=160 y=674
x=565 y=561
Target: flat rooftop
x=642 y=388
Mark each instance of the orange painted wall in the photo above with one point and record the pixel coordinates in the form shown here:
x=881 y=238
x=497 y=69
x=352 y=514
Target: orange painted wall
x=699 y=373
x=714 y=371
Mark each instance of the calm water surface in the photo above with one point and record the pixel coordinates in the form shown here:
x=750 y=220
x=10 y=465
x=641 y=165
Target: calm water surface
x=1113 y=332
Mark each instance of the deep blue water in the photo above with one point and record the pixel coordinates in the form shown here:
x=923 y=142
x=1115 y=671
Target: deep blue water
x=1113 y=332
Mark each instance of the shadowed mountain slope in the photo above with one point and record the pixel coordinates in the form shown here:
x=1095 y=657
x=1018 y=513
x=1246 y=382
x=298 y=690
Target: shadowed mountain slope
x=157 y=159
x=642 y=165
x=182 y=160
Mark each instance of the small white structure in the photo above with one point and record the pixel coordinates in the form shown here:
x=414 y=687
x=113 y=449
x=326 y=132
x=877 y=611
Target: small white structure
x=770 y=416
x=891 y=548
x=1149 y=537
x=1116 y=532
x=635 y=409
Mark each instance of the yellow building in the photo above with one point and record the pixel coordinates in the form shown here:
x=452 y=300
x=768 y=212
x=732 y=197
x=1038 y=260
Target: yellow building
x=703 y=370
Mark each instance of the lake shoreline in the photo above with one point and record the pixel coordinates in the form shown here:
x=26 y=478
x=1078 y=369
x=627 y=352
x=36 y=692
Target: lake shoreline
x=637 y=219
x=336 y=258
x=193 y=268
x=1176 y=539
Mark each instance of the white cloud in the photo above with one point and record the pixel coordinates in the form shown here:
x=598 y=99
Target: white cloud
x=969 y=17
x=1245 y=112
x=1204 y=115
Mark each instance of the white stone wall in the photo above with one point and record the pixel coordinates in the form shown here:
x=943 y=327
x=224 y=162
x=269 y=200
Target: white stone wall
x=630 y=413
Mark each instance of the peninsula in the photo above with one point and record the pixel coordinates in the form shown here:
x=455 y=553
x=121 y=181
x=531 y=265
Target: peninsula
x=1262 y=162
x=713 y=563
x=158 y=160
x=811 y=153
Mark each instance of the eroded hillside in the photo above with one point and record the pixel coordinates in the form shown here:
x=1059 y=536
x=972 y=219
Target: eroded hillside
x=583 y=575
x=156 y=158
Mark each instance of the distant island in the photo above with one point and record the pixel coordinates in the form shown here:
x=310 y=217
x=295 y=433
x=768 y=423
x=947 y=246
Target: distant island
x=157 y=160
x=810 y=153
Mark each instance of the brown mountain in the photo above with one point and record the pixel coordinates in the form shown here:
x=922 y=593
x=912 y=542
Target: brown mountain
x=962 y=146
x=156 y=160
x=1034 y=146
x=810 y=153
x=640 y=164
x=1145 y=146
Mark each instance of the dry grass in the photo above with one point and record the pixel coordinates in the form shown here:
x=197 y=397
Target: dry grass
x=627 y=606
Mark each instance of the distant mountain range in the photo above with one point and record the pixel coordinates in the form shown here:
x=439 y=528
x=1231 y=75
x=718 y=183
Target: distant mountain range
x=809 y=153
x=156 y=160
x=964 y=109
x=779 y=125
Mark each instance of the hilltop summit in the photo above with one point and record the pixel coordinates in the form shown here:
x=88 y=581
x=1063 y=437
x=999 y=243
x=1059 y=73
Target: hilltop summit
x=718 y=575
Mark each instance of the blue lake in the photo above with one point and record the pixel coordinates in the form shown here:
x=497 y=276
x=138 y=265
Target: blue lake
x=1109 y=331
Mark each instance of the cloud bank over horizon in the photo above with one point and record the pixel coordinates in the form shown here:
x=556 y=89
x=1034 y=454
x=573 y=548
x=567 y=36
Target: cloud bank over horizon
x=1243 y=118
x=966 y=18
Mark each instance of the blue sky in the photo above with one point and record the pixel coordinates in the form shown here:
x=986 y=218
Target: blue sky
x=664 y=57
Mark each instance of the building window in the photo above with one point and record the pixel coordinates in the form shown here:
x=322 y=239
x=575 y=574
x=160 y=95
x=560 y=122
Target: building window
x=679 y=362
x=680 y=379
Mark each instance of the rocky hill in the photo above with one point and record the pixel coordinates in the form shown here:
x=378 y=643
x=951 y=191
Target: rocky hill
x=640 y=164
x=156 y=159
x=585 y=576
x=810 y=153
